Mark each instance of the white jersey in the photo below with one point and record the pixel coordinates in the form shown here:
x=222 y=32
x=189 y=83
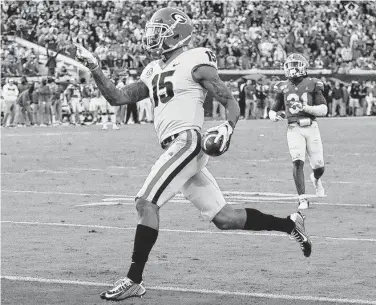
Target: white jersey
x=177 y=98
x=10 y=91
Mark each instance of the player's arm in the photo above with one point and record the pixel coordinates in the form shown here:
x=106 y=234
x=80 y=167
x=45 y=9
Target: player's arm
x=319 y=107
x=275 y=107
x=131 y=93
x=207 y=76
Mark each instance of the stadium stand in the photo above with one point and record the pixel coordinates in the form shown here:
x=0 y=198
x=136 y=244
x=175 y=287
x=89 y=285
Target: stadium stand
x=335 y=36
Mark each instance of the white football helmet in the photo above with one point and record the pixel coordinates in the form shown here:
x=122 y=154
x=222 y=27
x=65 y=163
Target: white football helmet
x=295 y=66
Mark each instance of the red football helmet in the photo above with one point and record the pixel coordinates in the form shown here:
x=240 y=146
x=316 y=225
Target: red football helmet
x=295 y=66
x=168 y=29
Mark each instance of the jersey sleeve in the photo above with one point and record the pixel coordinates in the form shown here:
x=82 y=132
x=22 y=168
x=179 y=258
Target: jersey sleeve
x=203 y=57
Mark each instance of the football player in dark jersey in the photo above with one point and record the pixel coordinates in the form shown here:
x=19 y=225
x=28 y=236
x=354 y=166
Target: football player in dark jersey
x=302 y=99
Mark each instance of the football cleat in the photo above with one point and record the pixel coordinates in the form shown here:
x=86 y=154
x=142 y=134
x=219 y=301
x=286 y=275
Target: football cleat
x=299 y=234
x=123 y=289
x=115 y=127
x=320 y=192
x=303 y=204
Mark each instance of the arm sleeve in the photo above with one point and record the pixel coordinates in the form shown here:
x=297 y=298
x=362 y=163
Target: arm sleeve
x=278 y=102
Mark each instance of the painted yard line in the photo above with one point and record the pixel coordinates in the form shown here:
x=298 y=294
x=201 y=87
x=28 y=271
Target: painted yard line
x=349 y=155
x=104 y=203
x=225 y=193
x=331 y=182
x=248 y=233
x=131 y=202
x=45 y=134
x=118 y=195
x=123 y=167
x=107 y=203
x=200 y=291
x=145 y=175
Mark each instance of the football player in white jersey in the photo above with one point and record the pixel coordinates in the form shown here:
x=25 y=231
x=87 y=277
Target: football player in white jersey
x=177 y=84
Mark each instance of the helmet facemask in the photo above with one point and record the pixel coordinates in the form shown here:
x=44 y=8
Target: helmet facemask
x=155 y=35
x=295 y=68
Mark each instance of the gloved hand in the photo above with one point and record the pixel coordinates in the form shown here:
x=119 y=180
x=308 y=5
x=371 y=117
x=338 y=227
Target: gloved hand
x=225 y=132
x=86 y=57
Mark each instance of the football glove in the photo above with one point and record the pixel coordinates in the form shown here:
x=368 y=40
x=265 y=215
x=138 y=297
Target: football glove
x=85 y=57
x=225 y=132
x=275 y=116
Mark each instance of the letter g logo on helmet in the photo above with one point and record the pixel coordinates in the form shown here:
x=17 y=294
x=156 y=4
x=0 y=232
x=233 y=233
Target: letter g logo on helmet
x=179 y=17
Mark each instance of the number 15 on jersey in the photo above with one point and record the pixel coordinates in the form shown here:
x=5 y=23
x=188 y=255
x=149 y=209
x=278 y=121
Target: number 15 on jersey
x=163 y=90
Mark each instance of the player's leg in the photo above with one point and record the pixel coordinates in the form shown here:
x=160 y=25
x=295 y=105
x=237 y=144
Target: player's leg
x=254 y=109
x=315 y=153
x=149 y=112
x=171 y=171
x=297 y=147
x=114 y=111
x=135 y=113
x=203 y=191
x=247 y=108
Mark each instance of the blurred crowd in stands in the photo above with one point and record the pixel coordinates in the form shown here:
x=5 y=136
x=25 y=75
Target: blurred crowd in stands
x=337 y=35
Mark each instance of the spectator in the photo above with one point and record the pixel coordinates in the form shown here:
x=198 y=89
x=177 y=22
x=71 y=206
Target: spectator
x=31 y=66
x=338 y=100
x=73 y=97
x=262 y=99
x=51 y=62
x=10 y=94
x=56 y=101
x=44 y=104
x=354 y=102
x=371 y=97
x=250 y=100
x=131 y=108
x=24 y=114
x=24 y=85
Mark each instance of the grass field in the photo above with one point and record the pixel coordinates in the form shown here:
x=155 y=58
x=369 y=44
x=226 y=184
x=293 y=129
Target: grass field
x=68 y=219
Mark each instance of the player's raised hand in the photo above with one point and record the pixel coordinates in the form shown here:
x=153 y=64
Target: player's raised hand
x=225 y=132
x=86 y=57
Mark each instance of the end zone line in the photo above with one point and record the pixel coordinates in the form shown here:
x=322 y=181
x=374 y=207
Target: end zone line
x=233 y=232
x=201 y=291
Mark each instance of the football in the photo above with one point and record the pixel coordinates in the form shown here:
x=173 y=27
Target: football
x=208 y=146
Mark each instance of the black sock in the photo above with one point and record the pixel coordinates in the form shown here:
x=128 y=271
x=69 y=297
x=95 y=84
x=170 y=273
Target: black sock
x=257 y=221
x=143 y=243
x=318 y=172
x=298 y=173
